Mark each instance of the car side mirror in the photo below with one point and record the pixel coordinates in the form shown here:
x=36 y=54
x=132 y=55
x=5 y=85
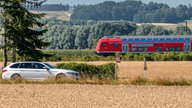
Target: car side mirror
x=46 y=68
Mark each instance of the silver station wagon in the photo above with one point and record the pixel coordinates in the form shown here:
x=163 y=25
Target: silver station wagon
x=36 y=71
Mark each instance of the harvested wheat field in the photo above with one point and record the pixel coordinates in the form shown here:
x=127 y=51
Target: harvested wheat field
x=174 y=70
x=94 y=96
x=107 y=96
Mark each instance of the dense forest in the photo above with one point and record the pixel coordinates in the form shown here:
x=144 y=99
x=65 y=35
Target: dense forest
x=128 y=10
x=85 y=34
x=131 y=10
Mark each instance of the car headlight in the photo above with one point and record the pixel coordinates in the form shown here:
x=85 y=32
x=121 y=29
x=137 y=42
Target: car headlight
x=72 y=73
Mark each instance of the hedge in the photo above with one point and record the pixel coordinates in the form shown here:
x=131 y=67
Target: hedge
x=105 y=71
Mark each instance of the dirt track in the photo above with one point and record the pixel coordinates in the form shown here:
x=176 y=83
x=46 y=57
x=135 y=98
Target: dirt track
x=94 y=96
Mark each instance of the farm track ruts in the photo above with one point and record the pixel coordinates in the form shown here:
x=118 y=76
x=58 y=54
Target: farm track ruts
x=94 y=96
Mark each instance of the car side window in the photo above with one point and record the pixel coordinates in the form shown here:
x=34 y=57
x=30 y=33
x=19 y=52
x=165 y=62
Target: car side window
x=15 y=65
x=26 y=65
x=38 y=66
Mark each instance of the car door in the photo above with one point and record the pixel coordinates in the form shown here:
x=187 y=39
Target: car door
x=27 y=72
x=42 y=71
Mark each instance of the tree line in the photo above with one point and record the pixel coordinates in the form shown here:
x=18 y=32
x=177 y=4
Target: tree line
x=131 y=10
x=85 y=34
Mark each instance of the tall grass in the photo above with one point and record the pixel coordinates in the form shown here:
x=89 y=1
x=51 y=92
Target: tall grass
x=164 y=82
x=137 y=81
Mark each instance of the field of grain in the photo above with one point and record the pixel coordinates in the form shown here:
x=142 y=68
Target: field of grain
x=170 y=25
x=59 y=15
x=106 y=96
x=94 y=96
x=174 y=70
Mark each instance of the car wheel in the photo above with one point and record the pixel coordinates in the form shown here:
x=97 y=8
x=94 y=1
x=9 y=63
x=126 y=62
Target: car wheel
x=16 y=77
x=61 y=76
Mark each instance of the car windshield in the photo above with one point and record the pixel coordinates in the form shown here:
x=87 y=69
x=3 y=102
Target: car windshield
x=50 y=66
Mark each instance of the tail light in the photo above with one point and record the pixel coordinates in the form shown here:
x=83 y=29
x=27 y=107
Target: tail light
x=4 y=70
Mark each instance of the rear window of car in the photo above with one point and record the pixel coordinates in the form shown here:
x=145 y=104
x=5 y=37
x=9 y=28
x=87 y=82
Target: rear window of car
x=15 y=65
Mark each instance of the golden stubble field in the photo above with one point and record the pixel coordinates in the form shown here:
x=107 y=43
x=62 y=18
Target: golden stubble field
x=170 y=70
x=106 y=96
x=94 y=96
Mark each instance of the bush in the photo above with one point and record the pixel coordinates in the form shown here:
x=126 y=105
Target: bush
x=106 y=71
x=166 y=56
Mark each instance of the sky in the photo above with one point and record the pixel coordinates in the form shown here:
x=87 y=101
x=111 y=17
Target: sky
x=171 y=3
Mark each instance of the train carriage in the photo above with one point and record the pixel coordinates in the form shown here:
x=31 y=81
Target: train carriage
x=143 y=44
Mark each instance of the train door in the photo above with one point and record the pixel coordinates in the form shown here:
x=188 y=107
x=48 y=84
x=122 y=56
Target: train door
x=125 y=48
x=187 y=47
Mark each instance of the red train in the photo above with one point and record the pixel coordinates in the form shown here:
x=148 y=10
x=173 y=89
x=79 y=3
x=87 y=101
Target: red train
x=143 y=44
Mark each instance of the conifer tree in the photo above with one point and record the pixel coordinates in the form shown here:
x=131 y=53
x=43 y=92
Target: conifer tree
x=22 y=30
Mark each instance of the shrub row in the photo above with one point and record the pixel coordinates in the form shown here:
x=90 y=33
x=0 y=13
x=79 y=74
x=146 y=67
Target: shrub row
x=106 y=71
x=89 y=55
x=167 y=56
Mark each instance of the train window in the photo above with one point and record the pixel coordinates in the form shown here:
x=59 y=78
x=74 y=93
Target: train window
x=167 y=49
x=145 y=49
x=187 y=39
x=143 y=40
x=115 y=44
x=178 y=49
x=134 y=49
x=104 y=44
x=174 y=40
x=158 y=49
x=124 y=40
x=168 y=39
x=149 y=40
x=130 y=40
x=162 y=40
x=171 y=49
x=181 y=40
x=140 y=49
x=137 y=40
x=156 y=40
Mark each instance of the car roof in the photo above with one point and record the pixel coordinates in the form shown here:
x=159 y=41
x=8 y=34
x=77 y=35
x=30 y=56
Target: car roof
x=27 y=62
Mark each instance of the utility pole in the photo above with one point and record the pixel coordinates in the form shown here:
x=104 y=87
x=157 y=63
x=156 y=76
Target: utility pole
x=5 y=59
x=186 y=27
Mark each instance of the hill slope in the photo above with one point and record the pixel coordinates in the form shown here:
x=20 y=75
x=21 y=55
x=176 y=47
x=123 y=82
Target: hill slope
x=59 y=15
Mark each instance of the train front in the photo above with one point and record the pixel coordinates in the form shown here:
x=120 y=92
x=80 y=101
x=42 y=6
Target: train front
x=108 y=46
